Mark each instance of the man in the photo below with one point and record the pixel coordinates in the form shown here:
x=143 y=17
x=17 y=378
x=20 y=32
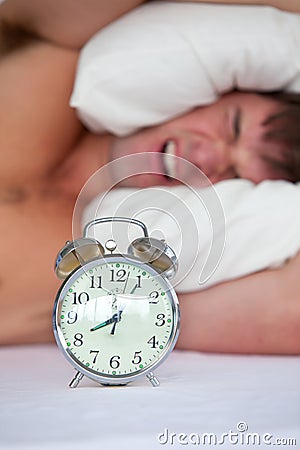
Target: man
x=46 y=156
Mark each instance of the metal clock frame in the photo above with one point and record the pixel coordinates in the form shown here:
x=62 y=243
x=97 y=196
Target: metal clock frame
x=83 y=370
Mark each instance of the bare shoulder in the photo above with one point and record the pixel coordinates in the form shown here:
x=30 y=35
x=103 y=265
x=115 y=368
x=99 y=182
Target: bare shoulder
x=38 y=128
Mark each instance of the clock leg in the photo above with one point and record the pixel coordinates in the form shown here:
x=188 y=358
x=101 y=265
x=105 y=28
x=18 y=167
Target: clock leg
x=153 y=380
x=76 y=380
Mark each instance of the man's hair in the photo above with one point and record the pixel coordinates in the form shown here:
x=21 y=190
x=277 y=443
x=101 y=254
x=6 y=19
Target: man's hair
x=283 y=128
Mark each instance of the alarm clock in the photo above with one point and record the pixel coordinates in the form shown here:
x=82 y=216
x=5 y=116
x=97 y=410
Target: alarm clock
x=116 y=316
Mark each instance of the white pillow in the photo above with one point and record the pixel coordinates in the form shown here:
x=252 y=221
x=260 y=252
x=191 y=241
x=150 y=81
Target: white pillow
x=164 y=58
x=262 y=224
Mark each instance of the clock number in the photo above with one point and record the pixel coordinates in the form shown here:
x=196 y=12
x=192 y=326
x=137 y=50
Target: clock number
x=72 y=317
x=138 y=284
x=96 y=355
x=78 y=339
x=96 y=282
x=114 y=361
x=153 y=342
x=137 y=358
x=154 y=298
x=120 y=275
x=79 y=298
x=160 y=320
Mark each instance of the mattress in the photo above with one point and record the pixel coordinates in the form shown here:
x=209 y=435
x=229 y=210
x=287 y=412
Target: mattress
x=204 y=400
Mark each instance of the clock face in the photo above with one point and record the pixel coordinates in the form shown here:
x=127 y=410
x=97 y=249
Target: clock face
x=116 y=318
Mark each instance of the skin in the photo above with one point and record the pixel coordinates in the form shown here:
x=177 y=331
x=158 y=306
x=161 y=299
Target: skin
x=225 y=140
x=69 y=23
x=42 y=169
x=257 y=314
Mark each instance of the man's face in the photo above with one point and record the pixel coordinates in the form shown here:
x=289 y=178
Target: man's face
x=224 y=140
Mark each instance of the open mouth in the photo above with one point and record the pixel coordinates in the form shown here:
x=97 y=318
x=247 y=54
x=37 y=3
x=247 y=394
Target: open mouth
x=169 y=162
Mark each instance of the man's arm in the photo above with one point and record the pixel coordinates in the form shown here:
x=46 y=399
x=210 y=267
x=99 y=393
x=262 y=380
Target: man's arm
x=69 y=22
x=285 y=5
x=258 y=314
x=72 y=22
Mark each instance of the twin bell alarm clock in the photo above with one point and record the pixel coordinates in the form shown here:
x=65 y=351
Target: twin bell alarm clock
x=116 y=316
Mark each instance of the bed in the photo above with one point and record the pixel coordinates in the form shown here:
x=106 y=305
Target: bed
x=199 y=393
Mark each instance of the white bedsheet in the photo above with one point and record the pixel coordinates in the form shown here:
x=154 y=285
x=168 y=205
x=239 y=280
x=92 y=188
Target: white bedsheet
x=199 y=393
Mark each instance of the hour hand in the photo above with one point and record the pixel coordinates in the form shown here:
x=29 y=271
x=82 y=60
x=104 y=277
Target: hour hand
x=105 y=323
x=117 y=319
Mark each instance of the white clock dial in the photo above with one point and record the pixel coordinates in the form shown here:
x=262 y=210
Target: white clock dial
x=116 y=318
